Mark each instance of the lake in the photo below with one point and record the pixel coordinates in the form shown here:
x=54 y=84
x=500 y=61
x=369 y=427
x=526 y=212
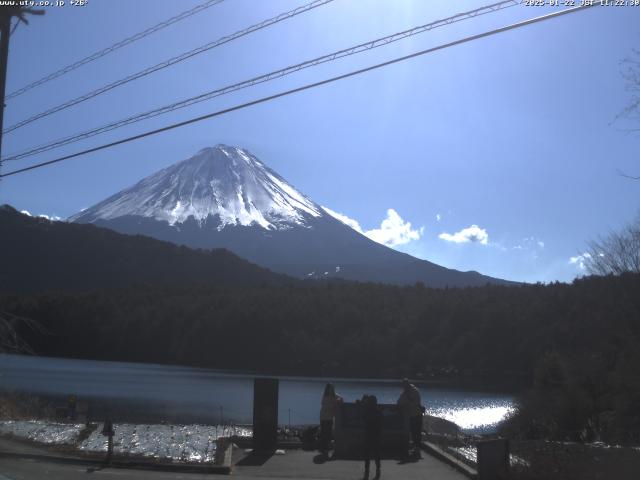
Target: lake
x=186 y=394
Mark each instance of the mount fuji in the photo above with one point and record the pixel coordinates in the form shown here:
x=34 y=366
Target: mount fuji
x=224 y=197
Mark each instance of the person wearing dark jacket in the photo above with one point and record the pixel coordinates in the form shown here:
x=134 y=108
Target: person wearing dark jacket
x=372 y=417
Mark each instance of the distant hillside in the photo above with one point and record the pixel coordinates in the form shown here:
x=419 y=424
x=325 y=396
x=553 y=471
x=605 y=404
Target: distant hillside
x=38 y=254
x=580 y=342
x=343 y=328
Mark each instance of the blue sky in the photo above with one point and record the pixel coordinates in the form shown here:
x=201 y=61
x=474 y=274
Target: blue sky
x=502 y=154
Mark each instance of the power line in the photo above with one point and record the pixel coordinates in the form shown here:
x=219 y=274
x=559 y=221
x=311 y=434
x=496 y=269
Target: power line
x=304 y=87
x=264 y=78
x=122 y=43
x=170 y=62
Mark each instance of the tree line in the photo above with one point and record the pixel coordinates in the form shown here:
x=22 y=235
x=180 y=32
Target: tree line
x=580 y=337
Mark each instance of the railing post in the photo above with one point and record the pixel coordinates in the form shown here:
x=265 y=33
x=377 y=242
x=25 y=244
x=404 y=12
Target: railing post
x=265 y=413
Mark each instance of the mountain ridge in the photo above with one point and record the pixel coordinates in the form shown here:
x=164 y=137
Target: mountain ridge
x=225 y=197
x=39 y=254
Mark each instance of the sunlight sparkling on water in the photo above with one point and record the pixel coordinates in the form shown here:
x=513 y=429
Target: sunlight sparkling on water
x=474 y=418
x=148 y=393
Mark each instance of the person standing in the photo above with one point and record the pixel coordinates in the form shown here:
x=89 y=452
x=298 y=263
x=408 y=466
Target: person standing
x=410 y=405
x=372 y=417
x=328 y=407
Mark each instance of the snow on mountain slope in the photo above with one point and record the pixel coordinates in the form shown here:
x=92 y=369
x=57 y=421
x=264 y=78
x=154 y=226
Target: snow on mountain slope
x=223 y=181
x=224 y=197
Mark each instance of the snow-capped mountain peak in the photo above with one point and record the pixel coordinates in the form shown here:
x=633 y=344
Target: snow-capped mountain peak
x=222 y=182
x=224 y=197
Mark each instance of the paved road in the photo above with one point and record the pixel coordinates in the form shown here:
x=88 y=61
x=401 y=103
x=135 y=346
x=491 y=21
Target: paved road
x=293 y=464
x=26 y=469
x=305 y=465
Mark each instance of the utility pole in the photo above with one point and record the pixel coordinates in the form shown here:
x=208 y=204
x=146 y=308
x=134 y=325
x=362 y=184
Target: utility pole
x=5 y=31
x=7 y=12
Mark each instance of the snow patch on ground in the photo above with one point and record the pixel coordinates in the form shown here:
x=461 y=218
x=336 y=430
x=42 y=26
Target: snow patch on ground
x=185 y=443
x=42 y=432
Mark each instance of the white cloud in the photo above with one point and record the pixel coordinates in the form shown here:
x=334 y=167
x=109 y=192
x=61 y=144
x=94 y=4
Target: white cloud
x=530 y=244
x=472 y=234
x=438 y=217
x=580 y=260
x=393 y=230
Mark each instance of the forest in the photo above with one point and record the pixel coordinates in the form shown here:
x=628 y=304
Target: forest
x=572 y=349
x=578 y=340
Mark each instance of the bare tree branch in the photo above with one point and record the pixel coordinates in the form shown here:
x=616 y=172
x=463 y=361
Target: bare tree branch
x=622 y=174
x=630 y=71
x=616 y=253
x=10 y=339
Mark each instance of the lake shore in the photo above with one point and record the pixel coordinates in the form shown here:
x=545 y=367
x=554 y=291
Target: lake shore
x=153 y=393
